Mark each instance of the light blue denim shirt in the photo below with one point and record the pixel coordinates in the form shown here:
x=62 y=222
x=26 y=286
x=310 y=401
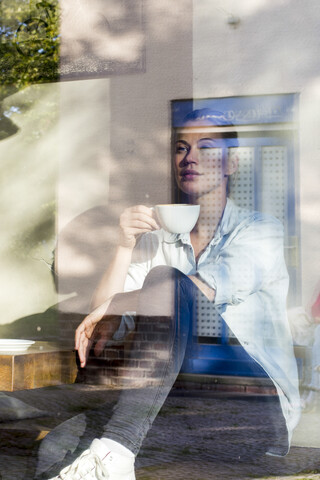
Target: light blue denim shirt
x=244 y=263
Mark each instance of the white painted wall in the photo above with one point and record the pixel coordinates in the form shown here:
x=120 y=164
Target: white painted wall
x=274 y=49
x=28 y=178
x=116 y=148
x=84 y=147
x=140 y=106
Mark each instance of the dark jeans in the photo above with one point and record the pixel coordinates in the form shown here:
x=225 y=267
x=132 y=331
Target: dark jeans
x=166 y=307
x=164 y=322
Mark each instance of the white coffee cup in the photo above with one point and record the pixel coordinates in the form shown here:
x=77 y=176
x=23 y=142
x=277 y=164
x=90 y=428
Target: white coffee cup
x=176 y=217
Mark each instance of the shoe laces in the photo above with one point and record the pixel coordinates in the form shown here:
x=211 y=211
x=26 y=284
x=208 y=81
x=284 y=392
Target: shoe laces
x=86 y=463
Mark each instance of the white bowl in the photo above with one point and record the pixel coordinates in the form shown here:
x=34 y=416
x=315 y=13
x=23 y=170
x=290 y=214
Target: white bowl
x=14 y=345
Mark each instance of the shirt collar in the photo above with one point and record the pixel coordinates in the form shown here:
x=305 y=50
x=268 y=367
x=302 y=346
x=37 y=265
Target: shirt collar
x=227 y=223
x=230 y=218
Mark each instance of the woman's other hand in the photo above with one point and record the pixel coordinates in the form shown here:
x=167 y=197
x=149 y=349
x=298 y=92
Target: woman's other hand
x=133 y=222
x=87 y=333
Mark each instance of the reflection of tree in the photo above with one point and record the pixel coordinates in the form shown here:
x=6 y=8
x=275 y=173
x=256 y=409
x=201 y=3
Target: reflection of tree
x=29 y=48
x=7 y=127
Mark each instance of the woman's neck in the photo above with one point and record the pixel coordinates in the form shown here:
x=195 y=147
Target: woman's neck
x=212 y=206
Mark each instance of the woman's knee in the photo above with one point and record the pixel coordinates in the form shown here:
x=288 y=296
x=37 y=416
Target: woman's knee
x=168 y=282
x=158 y=292
x=160 y=274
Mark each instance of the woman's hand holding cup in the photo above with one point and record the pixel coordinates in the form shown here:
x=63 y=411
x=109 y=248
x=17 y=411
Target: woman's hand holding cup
x=133 y=222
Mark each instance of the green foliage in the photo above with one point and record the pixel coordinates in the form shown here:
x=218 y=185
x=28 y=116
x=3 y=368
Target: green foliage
x=29 y=47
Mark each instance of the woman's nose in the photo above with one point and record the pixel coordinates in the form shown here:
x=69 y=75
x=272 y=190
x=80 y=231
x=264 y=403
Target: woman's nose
x=192 y=156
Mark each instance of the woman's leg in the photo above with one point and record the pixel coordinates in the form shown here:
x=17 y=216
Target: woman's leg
x=165 y=307
x=164 y=322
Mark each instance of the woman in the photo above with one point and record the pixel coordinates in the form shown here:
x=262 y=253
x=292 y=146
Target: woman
x=232 y=256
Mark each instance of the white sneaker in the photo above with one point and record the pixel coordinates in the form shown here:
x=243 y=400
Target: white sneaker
x=99 y=463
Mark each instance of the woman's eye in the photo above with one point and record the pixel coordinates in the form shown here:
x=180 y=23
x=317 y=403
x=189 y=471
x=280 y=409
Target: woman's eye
x=181 y=149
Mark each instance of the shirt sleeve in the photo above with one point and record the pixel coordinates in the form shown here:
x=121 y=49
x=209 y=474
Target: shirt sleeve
x=144 y=252
x=249 y=260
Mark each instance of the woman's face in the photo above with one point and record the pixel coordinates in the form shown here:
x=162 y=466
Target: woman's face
x=200 y=162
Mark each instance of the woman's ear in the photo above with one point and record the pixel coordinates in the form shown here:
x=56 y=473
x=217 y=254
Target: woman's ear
x=233 y=162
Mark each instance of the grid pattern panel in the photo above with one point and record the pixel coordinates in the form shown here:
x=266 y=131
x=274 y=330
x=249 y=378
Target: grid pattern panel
x=274 y=164
x=242 y=188
x=209 y=322
x=242 y=191
x=272 y=189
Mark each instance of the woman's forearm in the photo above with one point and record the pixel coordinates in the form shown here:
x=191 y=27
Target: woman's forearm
x=113 y=279
x=134 y=221
x=209 y=292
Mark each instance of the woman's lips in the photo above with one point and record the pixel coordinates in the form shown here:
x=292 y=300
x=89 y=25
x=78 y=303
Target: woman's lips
x=189 y=175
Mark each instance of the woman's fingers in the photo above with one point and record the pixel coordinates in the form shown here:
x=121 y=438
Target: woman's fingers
x=138 y=217
x=147 y=217
x=84 y=350
x=133 y=222
x=141 y=222
x=85 y=330
x=101 y=333
x=141 y=209
x=84 y=345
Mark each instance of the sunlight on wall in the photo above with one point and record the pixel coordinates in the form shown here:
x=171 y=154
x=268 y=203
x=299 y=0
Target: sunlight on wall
x=309 y=192
x=273 y=49
x=84 y=147
x=28 y=177
x=116 y=152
